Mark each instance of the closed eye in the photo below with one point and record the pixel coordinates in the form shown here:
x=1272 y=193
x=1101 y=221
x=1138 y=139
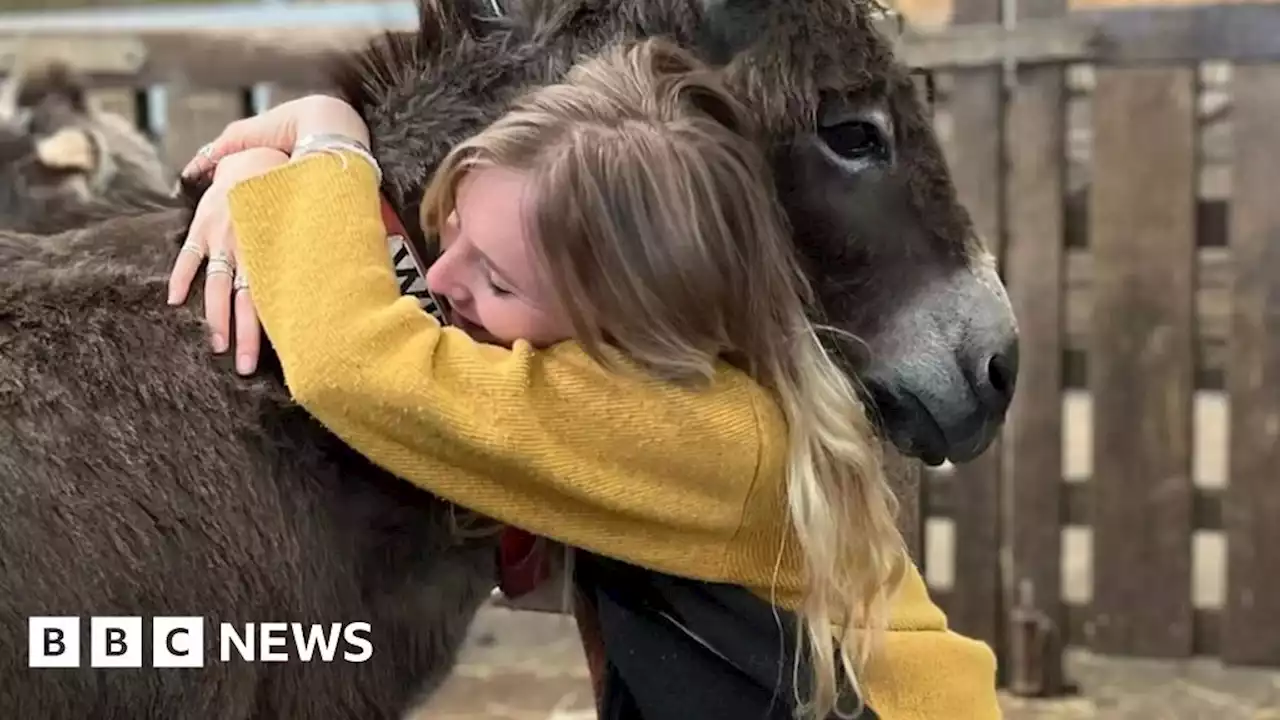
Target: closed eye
x=497 y=289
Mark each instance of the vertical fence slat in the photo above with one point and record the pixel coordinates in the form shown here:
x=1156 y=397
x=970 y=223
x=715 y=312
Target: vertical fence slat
x=975 y=156
x=1252 y=503
x=1141 y=368
x=1035 y=260
x=197 y=116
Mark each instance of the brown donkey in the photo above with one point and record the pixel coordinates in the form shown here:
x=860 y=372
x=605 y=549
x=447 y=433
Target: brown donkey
x=143 y=478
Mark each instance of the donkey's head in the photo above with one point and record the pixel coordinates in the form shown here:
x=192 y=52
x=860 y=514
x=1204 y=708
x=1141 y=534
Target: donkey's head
x=893 y=255
x=47 y=159
x=61 y=155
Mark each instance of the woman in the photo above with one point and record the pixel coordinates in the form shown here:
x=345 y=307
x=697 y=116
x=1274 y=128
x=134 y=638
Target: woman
x=630 y=371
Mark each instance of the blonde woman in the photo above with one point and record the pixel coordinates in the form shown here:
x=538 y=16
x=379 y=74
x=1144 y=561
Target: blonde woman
x=630 y=371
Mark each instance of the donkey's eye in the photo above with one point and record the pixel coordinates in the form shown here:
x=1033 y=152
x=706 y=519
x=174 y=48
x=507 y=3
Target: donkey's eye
x=856 y=140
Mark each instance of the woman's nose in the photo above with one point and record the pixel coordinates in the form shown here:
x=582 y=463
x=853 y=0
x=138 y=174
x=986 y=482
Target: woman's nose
x=445 y=276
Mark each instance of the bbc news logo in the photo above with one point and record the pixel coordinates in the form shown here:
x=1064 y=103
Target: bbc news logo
x=179 y=642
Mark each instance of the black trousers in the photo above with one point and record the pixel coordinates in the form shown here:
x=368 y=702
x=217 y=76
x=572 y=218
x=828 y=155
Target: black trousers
x=676 y=648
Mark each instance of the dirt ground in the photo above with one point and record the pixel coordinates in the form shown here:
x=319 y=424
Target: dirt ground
x=529 y=666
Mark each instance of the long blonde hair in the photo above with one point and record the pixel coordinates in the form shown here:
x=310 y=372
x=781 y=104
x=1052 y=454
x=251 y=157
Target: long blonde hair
x=657 y=225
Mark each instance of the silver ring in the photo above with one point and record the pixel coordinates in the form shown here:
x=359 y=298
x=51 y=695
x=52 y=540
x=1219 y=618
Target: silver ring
x=218 y=265
x=241 y=282
x=222 y=257
x=193 y=248
x=206 y=151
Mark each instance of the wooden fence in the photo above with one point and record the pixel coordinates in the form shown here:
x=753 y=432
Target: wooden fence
x=1125 y=166
x=1133 y=204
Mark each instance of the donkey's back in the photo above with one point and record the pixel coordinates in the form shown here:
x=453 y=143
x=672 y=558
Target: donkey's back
x=140 y=478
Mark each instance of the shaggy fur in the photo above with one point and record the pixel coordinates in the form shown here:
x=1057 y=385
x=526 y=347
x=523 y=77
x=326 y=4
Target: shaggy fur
x=142 y=477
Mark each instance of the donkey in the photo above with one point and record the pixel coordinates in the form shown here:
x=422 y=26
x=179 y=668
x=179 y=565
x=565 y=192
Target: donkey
x=181 y=489
x=63 y=160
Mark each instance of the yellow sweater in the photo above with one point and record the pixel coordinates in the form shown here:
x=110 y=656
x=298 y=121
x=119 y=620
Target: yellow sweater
x=687 y=482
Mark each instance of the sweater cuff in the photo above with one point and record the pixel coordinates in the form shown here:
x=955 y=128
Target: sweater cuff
x=932 y=675
x=925 y=671
x=349 y=189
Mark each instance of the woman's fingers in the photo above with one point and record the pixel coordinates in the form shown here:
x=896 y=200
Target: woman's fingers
x=211 y=228
x=218 y=277
x=272 y=129
x=275 y=129
x=248 y=331
x=186 y=265
x=194 y=250
x=279 y=128
x=232 y=139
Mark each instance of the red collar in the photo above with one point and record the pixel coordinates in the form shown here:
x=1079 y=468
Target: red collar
x=522 y=558
x=391 y=219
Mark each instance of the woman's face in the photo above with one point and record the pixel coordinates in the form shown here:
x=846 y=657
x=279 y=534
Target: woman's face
x=485 y=268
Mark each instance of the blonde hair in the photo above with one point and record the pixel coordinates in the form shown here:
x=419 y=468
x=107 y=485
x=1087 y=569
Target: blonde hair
x=657 y=225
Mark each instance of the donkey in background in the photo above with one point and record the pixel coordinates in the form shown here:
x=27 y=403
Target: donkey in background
x=141 y=478
x=64 y=161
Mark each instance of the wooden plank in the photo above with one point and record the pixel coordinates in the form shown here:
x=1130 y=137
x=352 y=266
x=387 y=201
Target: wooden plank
x=1236 y=31
x=925 y=82
x=1035 y=264
x=975 y=157
x=196 y=117
x=1206 y=625
x=278 y=93
x=1076 y=503
x=1252 y=506
x=122 y=101
x=981 y=45
x=297 y=57
x=1212 y=303
x=937 y=12
x=1142 y=229
x=1247 y=32
x=88 y=54
x=1206 y=630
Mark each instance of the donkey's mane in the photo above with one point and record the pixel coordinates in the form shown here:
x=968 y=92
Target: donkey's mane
x=463 y=65
x=364 y=77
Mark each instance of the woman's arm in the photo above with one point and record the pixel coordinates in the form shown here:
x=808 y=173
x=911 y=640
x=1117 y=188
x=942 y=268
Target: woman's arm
x=546 y=440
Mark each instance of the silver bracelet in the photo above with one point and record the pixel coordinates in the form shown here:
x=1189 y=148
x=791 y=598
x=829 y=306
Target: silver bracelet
x=333 y=143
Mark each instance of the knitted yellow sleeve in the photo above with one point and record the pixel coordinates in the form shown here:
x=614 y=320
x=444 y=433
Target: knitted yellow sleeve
x=547 y=440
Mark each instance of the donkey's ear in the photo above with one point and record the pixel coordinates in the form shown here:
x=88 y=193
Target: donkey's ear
x=728 y=27
x=56 y=79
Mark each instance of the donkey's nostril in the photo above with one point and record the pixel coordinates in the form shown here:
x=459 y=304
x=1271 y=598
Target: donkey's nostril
x=995 y=383
x=1000 y=374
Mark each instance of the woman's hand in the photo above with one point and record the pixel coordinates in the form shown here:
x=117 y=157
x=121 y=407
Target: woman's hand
x=246 y=148
x=211 y=235
x=280 y=128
